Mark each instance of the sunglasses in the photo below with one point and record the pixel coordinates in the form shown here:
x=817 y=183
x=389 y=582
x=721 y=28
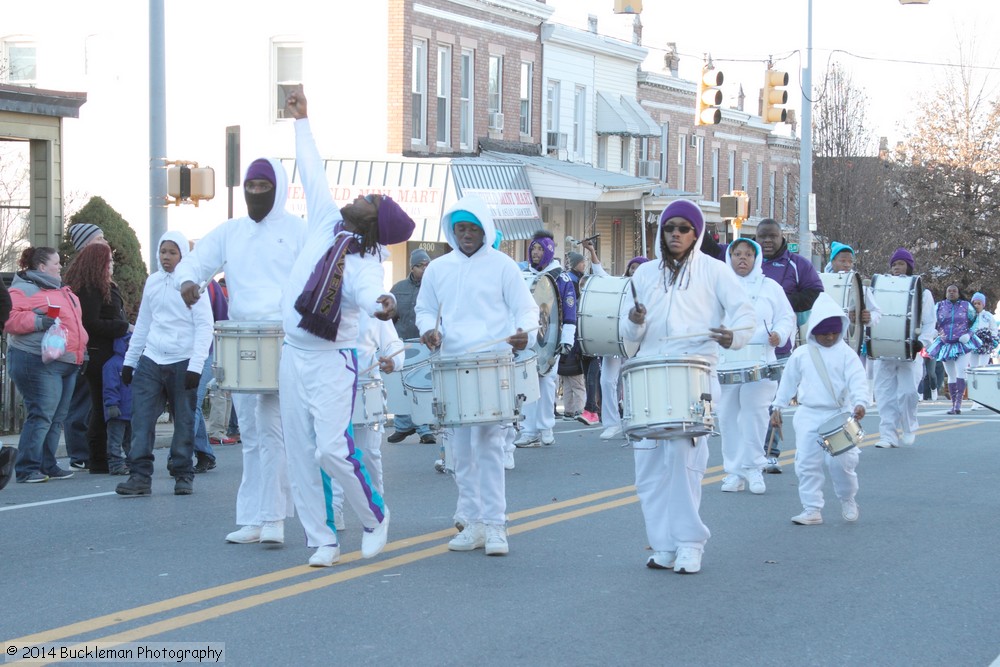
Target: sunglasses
x=370 y=199
x=683 y=229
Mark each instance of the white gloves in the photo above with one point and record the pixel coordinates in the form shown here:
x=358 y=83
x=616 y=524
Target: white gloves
x=963 y=339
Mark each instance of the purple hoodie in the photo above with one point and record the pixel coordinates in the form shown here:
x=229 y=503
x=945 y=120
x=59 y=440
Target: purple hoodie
x=798 y=277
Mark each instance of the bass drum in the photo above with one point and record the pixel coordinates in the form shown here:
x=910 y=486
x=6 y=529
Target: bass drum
x=847 y=290
x=895 y=335
x=603 y=301
x=546 y=339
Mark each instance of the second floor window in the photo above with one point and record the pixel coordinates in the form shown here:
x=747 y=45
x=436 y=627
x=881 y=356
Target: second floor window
x=418 y=93
x=465 y=102
x=527 y=84
x=579 y=123
x=19 y=58
x=444 y=96
x=287 y=69
x=495 y=85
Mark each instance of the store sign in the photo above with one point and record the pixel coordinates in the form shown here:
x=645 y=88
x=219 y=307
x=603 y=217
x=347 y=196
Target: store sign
x=507 y=204
x=419 y=203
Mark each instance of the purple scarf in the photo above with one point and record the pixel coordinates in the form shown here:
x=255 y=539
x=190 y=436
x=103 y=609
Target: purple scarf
x=319 y=302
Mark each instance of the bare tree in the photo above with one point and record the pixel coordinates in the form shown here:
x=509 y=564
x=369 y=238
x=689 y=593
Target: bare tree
x=14 y=204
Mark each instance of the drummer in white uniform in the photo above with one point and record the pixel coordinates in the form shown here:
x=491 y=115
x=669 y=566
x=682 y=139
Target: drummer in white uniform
x=481 y=297
x=743 y=405
x=256 y=252
x=685 y=292
x=842 y=261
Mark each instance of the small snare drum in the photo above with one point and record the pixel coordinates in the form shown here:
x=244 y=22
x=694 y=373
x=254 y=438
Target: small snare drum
x=838 y=435
x=247 y=356
x=667 y=397
x=744 y=365
x=397 y=399
x=474 y=389
x=420 y=390
x=369 y=402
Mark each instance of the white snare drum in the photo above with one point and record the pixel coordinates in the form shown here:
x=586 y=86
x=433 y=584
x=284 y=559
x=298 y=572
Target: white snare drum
x=546 y=340
x=984 y=386
x=420 y=390
x=369 y=402
x=667 y=397
x=895 y=334
x=526 y=376
x=397 y=397
x=838 y=435
x=474 y=389
x=247 y=356
x=603 y=300
x=744 y=365
x=775 y=369
x=847 y=290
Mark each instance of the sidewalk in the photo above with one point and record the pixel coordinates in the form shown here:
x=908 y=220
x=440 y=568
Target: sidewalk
x=164 y=433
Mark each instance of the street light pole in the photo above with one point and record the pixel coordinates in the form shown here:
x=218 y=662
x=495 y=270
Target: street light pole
x=805 y=143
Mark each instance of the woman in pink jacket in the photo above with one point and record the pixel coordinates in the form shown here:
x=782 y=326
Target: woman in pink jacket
x=36 y=294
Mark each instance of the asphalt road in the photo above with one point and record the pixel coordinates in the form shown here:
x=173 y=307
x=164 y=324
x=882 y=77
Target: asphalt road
x=914 y=582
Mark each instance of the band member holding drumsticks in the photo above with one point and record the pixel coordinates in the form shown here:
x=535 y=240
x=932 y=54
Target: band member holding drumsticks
x=471 y=297
x=743 y=406
x=896 y=380
x=829 y=382
x=842 y=261
x=337 y=277
x=539 y=416
x=683 y=293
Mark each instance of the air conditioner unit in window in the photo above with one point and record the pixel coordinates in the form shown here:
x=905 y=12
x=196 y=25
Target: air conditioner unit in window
x=556 y=140
x=649 y=169
x=496 y=120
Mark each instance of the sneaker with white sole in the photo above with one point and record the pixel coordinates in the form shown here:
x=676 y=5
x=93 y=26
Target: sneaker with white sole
x=526 y=441
x=885 y=444
x=688 y=560
x=245 y=535
x=325 y=556
x=508 y=460
x=338 y=519
x=472 y=537
x=611 y=433
x=373 y=541
x=547 y=438
x=589 y=418
x=496 y=540
x=849 y=510
x=908 y=438
x=661 y=560
x=732 y=484
x=808 y=517
x=772 y=467
x=272 y=532
x=755 y=480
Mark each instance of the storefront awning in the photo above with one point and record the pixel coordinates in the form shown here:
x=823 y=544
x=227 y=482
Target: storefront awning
x=425 y=188
x=574 y=181
x=622 y=115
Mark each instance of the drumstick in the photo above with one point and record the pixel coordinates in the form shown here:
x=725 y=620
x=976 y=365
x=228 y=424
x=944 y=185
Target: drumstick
x=706 y=334
x=202 y=286
x=396 y=353
x=499 y=340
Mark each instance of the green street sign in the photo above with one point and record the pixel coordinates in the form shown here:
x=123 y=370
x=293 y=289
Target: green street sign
x=793 y=247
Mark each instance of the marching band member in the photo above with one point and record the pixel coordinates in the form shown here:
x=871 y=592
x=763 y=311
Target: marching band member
x=956 y=339
x=842 y=261
x=258 y=251
x=480 y=293
x=828 y=380
x=896 y=380
x=337 y=276
x=985 y=327
x=685 y=292
x=743 y=406
x=539 y=416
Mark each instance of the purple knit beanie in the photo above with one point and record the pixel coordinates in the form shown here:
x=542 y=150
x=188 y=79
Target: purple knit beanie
x=828 y=326
x=902 y=254
x=682 y=208
x=261 y=168
x=394 y=225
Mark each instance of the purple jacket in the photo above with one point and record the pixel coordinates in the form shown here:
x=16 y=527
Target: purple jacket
x=955 y=318
x=798 y=277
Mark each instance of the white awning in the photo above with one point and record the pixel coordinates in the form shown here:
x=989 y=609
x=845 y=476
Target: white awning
x=622 y=115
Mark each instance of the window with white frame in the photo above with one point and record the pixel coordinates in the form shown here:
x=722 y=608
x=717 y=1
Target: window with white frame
x=19 y=57
x=465 y=104
x=699 y=164
x=552 y=93
x=682 y=140
x=495 y=86
x=759 y=187
x=745 y=183
x=602 y=151
x=286 y=69
x=732 y=170
x=626 y=163
x=444 y=96
x=770 y=195
x=579 y=120
x=715 y=174
x=527 y=85
x=418 y=93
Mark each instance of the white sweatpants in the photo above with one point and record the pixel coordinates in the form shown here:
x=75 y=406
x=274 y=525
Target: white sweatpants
x=264 y=493
x=539 y=416
x=668 y=481
x=896 y=384
x=369 y=441
x=810 y=457
x=479 y=473
x=743 y=416
x=317 y=401
x=611 y=368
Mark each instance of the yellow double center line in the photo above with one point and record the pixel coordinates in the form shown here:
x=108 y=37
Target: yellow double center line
x=620 y=497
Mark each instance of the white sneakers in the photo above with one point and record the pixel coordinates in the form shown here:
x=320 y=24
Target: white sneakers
x=496 y=540
x=547 y=438
x=272 y=532
x=849 y=510
x=325 y=556
x=908 y=438
x=526 y=440
x=662 y=560
x=245 y=535
x=472 y=537
x=808 y=517
x=732 y=484
x=508 y=460
x=688 y=560
x=372 y=542
x=611 y=433
x=755 y=480
x=885 y=444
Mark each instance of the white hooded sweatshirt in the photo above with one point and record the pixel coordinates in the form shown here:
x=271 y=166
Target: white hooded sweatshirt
x=770 y=304
x=479 y=296
x=166 y=330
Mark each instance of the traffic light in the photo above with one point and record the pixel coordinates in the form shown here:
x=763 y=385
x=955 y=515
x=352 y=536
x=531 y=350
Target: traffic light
x=707 y=111
x=187 y=182
x=773 y=95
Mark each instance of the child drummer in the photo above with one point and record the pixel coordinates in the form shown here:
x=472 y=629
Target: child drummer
x=828 y=379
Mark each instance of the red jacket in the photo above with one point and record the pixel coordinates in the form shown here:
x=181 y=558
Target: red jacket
x=29 y=300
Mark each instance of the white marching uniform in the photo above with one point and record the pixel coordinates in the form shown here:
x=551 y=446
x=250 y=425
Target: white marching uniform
x=896 y=382
x=743 y=407
x=318 y=377
x=256 y=258
x=816 y=406
x=668 y=473
x=479 y=298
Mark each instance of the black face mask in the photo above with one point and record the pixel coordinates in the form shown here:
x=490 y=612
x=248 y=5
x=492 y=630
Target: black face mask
x=259 y=204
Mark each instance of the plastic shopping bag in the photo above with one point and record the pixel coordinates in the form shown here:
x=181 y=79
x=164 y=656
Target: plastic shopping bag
x=54 y=342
